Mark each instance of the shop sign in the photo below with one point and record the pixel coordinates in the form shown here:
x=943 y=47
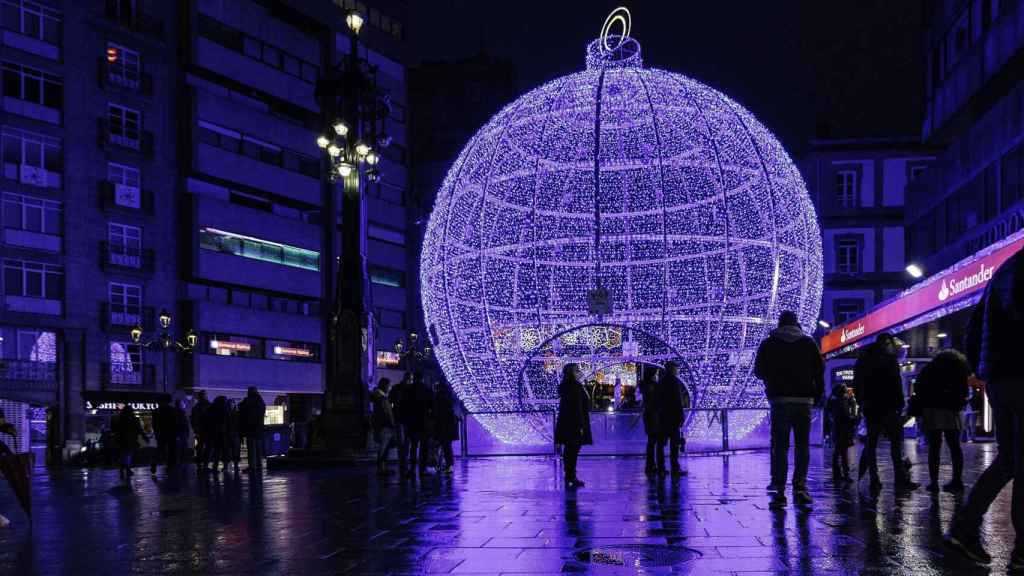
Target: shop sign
x=289 y=351
x=117 y=406
x=232 y=346
x=387 y=359
x=964 y=279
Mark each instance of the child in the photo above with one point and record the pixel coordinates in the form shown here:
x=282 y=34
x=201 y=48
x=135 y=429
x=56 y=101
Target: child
x=845 y=417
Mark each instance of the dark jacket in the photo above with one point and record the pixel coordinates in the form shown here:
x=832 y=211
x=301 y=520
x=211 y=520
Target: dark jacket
x=417 y=408
x=127 y=430
x=446 y=423
x=215 y=421
x=573 y=423
x=843 y=412
x=673 y=398
x=251 y=411
x=165 y=423
x=877 y=382
x=649 y=391
x=181 y=426
x=942 y=384
x=383 y=414
x=993 y=334
x=397 y=397
x=790 y=364
x=198 y=416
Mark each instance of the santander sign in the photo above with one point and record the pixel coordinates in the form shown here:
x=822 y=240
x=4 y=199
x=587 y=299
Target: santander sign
x=967 y=277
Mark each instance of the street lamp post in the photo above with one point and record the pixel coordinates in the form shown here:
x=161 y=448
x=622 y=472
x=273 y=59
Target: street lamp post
x=354 y=110
x=408 y=352
x=165 y=340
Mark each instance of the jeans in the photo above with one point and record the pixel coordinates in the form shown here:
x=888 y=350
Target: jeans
x=254 y=444
x=892 y=425
x=386 y=441
x=1008 y=465
x=571 y=454
x=956 y=454
x=673 y=440
x=786 y=418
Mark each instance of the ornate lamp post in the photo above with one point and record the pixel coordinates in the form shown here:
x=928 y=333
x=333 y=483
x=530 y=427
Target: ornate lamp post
x=354 y=111
x=408 y=352
x=165 y=340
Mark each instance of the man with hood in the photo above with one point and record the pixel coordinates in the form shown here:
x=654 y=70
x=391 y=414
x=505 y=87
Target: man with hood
x=792 y=369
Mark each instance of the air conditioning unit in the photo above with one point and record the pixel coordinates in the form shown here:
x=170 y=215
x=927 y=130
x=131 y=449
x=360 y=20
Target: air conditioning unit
x=127 y=196
x=33 y=175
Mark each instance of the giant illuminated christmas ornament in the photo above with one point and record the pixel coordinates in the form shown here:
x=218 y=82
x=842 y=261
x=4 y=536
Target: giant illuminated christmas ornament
x=617 y=216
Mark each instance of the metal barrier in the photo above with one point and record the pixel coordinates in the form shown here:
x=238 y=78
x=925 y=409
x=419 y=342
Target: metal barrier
x=621 y=433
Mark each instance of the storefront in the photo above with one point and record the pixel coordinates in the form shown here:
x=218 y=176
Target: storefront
x=102 y=405
x=927 y=317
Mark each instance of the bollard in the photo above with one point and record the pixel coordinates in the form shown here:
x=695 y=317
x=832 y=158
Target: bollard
x=725 y=429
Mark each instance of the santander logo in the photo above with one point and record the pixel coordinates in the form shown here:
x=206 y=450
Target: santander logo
x=966 y=282
x=851 y=333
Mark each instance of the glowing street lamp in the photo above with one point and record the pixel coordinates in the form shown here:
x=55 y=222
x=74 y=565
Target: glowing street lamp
x=340 y=128
x=322 y=142
x=354 y=20
x=915 y=271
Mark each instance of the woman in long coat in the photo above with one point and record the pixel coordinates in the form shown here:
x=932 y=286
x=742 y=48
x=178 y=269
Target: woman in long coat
x=572 y=428
x=127 y=430
x=649 y=390
x=446 y=425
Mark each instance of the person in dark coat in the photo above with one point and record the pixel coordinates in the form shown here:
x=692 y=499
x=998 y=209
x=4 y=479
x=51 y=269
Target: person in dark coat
x=215 y=429
x=417 y=409
x=383 y=420
x=251 y=412
x=649 y=391
x=198 y=420
x=234 y=439
x=941 y=393
x=164 y=425
x=397 y=396
x=793 y=371
x=127 y=430
x=994 y=352
x=572 y=426
x=446 y=425
x=878 y=384
x=673 y=400
x=181 y=430
x=845 y=415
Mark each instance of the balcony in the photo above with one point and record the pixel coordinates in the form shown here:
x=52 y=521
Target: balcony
x=110 y=80
x=125 y=198
x=118 y=318
x=143 y=144
x=133 y=20
x=129 y=376
x=28 y=381
x=123 y=259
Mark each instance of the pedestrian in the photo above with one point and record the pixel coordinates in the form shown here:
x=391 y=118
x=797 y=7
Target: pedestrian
x=941 y=392
x=878 y=384
x=417 y=408
x=164 y=429
x=975 y=408
x=5 y=428
x=181 y=430
x=397 y=396
x=845 y=415
x=673 y=401
x=215 y=431
x=234 y=439
x=572 y=426
x=198 y=419
x=383 y=420
x=993 y=350
x=649 y=390
x=790 y=364
x=127 y=430
x=251 y=412
x=446 y=425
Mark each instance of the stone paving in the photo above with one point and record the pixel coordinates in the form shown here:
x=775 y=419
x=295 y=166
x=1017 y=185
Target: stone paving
x=499 y=515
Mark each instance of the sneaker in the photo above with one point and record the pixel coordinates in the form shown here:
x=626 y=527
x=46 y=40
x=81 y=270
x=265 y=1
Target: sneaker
x=778 y=502
x=802 y=498
x=955 y=487
x=967 y=546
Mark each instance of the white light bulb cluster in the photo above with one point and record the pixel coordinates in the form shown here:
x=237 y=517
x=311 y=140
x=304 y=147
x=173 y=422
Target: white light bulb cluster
x=706 y=233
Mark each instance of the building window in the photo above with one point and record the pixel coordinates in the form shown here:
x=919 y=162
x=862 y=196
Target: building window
x=125 y=363
x=124 y=125
x=258 y=249
x=848 y=257
x=254 y=48
x=846 y=188
x=124 y=66
x=125 y=304
x=124 y=245
x=33 y=280
x=847 y=309
x=32 y=158
x=127 y=182
x=31 y=19
x=32 y=85
x=260 y=150
x=385 y=234
x=386 y=276
x=37 y=346
x=32 y=214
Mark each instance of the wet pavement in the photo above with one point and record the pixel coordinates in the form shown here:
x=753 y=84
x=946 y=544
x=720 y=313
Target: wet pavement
x=497 y=515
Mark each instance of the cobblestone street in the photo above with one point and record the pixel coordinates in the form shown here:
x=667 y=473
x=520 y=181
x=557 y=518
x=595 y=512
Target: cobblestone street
x=498 y=515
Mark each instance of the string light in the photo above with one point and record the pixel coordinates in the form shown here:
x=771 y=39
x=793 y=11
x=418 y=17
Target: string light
x=706 y=232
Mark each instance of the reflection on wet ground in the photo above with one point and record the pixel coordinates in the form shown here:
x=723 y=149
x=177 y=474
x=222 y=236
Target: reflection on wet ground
x=499 y=515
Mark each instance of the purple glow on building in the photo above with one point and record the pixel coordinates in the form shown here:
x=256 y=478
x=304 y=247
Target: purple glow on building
x=662 y=190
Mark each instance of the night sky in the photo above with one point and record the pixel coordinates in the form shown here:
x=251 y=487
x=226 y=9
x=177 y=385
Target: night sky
x=806 y=68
